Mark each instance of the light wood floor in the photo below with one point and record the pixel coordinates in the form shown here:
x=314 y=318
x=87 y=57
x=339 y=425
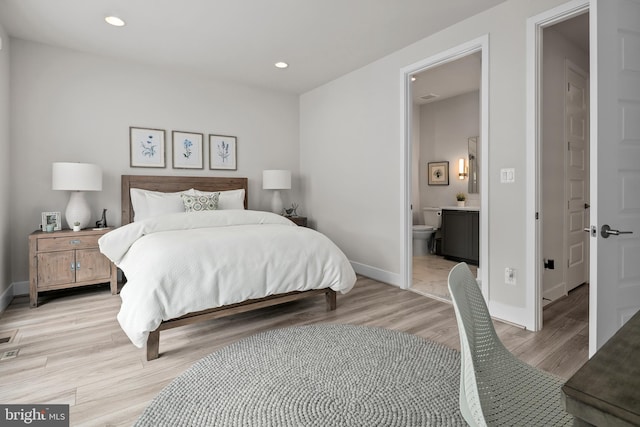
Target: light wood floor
x=73 y=351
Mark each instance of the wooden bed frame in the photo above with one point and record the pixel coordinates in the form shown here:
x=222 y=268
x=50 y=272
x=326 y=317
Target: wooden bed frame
x=180 y=183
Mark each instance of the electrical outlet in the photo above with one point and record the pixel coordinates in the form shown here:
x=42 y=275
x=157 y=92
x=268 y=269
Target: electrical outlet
x=510 y=276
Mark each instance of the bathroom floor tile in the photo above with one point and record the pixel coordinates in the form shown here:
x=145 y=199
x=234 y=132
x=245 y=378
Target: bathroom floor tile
x=430 y=273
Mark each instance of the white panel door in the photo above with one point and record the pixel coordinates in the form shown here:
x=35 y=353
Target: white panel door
x=615 y=168
x=577 y=176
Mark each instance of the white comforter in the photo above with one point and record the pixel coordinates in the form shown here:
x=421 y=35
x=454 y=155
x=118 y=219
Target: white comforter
x=187 y=262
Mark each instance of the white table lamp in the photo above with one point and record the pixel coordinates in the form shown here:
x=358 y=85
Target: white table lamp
x=77 y=178
x=276 y=180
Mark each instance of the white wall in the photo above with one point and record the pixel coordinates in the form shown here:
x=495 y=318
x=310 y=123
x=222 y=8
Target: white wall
x=5 y=168
x=351 y=143
x=72 y=106
x=445 y=127
x=556 y=49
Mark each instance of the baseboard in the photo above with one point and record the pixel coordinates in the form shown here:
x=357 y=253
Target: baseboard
x=555 y=292
x=5 y=298
x=14 y=289
x=376 y=274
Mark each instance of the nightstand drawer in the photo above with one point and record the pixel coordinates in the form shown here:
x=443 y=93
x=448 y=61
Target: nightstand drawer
x=68 y=242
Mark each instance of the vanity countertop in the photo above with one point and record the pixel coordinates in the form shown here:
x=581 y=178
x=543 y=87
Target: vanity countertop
x=462 y=208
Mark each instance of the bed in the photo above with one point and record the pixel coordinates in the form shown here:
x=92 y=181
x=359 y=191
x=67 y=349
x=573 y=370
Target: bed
x=215 y=282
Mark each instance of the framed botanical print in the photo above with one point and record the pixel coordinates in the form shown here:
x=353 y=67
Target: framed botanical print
x=438 y=173
x=187 y=150
x=147 y=147
x=222 y=152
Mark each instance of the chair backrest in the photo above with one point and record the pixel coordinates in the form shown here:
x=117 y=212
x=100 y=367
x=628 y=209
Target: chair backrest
x=479 y=342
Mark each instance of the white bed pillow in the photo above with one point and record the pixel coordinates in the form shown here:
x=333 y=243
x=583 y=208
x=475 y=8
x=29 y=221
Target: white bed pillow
x=230 y=199
x=148 y=204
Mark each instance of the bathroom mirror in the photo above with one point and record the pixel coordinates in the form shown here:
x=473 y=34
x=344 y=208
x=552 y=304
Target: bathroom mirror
x=473 y=165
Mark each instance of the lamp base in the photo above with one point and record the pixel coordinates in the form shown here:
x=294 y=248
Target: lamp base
x=77 y=210
x=276 y=203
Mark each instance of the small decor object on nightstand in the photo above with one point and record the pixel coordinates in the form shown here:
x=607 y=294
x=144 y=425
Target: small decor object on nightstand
x=293 y=211
x=76 y=226
x=102 y=222
x=461 y=197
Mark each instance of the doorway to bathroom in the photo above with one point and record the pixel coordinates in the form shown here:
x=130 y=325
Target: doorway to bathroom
x=446 y=124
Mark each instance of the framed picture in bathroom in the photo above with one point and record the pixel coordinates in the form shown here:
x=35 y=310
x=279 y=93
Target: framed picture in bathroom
x=438 y=173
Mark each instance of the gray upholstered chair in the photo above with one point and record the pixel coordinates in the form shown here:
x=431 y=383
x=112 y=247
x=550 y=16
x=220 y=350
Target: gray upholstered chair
x=496 y=388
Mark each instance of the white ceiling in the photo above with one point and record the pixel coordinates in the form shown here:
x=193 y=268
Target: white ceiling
x=240 y=40
x=447 y=80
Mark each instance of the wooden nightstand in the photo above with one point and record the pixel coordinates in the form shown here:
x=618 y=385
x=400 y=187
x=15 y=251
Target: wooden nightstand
x=299 y=220
x=67 y=259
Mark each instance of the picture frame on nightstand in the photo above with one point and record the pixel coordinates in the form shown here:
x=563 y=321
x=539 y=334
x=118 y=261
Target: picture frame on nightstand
x=51 y=218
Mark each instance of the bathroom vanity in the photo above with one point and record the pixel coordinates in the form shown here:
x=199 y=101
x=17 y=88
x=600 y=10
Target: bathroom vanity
x=460 y=234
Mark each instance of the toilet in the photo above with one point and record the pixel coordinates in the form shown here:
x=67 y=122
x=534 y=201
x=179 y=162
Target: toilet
x=423 y=234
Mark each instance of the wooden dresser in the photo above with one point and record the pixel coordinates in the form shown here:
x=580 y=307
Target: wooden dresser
x=67 y=259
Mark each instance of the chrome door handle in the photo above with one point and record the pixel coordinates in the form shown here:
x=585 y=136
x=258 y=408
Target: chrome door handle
x=607 y=231
x=73 y=266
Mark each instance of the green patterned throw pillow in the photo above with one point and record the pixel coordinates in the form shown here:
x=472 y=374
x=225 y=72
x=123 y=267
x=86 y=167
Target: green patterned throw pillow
x=207 y=202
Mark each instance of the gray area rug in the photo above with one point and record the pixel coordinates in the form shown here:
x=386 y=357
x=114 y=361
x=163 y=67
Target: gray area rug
x=317 y=375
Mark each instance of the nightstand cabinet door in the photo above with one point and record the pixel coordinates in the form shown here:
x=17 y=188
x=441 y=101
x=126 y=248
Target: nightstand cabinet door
x=56 y=268
x=91 y=265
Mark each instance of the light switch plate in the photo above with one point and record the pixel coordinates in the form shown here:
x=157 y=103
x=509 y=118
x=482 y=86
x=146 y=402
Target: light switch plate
x=507 y=175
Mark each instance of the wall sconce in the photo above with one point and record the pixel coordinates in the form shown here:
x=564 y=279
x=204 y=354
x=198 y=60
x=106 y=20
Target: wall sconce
x=462 y=169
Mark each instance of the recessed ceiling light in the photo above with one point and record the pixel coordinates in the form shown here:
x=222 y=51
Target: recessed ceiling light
x=413 y=78
x=281 y=64
x=115 y=21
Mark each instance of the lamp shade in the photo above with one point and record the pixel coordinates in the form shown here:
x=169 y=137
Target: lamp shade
x=76 y=177
x=276 y=179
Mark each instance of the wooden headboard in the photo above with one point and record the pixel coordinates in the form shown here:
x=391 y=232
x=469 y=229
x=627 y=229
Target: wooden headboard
x=171 y=184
